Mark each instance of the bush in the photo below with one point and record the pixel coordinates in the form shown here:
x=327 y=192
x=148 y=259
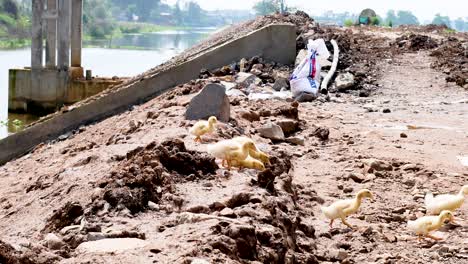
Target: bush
x=7 y=20
x=390 y=23
x=348 y=22
x=375 y=21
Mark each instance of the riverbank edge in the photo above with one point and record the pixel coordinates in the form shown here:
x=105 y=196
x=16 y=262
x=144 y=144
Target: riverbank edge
x=124 y=28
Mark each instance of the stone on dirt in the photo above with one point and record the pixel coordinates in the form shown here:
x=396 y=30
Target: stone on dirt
x=344 y=81
x=280 y=84
x=115 y=245
x=272 y=131
x=249 y=115
x=288 y=126
x=211 y=101
x=53 y=242
x=300 y=141
x=244 y=79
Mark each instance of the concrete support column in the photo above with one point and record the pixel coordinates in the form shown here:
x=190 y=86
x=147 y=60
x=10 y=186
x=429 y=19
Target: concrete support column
x=51 y=43
x=63 y=36
x=36 y=38
x=76 y=32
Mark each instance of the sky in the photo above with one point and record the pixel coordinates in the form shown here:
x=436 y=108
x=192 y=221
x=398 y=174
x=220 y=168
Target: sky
x=423 y=9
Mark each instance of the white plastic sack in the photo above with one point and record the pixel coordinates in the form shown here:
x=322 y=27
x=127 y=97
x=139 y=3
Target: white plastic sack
x=306 y=76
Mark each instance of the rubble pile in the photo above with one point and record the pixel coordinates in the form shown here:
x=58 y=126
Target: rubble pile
x=415 y=42
x=147 y=173
x=452 y=59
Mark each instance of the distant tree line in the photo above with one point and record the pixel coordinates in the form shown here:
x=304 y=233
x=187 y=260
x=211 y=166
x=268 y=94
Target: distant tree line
x=14 y=19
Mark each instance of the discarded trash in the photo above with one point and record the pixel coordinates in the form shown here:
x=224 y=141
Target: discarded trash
x=463 y=160
x=306 y=77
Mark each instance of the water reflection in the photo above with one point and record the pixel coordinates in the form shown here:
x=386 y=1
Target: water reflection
x=129 y=55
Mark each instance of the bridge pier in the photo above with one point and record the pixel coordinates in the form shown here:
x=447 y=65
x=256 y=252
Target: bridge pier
x=51 y=42
x=47 y=87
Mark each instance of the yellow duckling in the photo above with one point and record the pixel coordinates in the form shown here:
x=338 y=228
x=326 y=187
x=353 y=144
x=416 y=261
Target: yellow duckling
x=426 y=224
x=254 y=153
x=229 y=150
x=249 y=163
x=343 y=208
x=450 y=202
x=203 y=127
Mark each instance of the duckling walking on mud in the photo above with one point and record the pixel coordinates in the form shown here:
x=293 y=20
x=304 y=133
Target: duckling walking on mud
x=229 y=151
x=450 y=202
x=343 y=208
x=203 y=127
x=426 y=224
x=255 y=152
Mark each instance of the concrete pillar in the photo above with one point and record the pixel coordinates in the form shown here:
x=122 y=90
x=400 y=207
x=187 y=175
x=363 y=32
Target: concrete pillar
x=51 y=43
x=63 y=36
x=76 y=32
x=36 y=36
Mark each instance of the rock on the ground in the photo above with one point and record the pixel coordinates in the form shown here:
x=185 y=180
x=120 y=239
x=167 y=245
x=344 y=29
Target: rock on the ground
x=53 y=242
x=199 y=261
x=235 y=93
x=111 y=245
x=272 y=131
x=211 y=101
x=280 y=84
x=370 y=108
x=378 y=165
x=244 y=79
x=344 y=81
x=288 y=126
x=249 y=115
x=357 y=177
x=300 y=141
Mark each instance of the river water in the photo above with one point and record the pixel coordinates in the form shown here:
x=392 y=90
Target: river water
x=126 y=56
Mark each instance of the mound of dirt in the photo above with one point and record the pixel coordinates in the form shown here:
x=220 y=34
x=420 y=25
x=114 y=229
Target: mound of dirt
x=415 y=42
x=452 y=59
x=147 y=173
x=9 y=255
x=64 y=216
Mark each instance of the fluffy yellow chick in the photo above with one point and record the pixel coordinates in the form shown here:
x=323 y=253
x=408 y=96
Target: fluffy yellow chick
x=254 y=153
x=426 y=224
x=343 y=208
x=230 y=150
x=450 y=202
x=249 y=163
x=203 y=127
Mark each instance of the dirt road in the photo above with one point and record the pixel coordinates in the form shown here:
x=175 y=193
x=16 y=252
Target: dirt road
x=139 y=207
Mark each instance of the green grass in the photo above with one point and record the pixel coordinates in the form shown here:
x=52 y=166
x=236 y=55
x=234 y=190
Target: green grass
x=7 y=20
x=139 y=28
x=14 y=43
x=449 y=31
x=348 y=23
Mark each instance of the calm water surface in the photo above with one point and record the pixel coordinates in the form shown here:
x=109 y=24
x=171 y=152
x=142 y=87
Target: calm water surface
x=124 y=57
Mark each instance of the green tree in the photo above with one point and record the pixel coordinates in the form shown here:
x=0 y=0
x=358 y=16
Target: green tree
x=460 y=24
x=11 y=7
x=375 y=21
x=266 y=7
x=406 y=18
x=97 y=18
x=177 y=13
x=194 y=13
x=348 y=22
x=391 y=18
x=441 y=20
